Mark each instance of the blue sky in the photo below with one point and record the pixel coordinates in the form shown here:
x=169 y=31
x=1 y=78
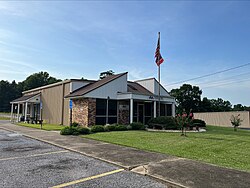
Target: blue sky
x=74 y=39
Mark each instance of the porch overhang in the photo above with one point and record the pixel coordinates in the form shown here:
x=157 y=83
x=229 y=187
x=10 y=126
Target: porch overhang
x=33 y=98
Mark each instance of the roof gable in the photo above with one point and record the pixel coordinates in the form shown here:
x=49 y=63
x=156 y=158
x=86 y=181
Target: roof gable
x=94 y=86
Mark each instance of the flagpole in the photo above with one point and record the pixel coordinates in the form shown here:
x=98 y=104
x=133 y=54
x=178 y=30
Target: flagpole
x=159 y=80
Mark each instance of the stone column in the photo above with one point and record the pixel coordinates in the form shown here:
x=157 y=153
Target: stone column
x=131 y=110
x=154 y=109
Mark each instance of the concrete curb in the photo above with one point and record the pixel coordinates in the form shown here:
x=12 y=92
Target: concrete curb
x=128 y=168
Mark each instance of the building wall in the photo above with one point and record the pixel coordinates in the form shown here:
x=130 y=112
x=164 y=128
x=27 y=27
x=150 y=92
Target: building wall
x=52 y=104
x=83 y=111
x=223 y=118
x=74 y=85
x=110 y=89
x=153 y=86
x=66 y=109
x=55 y=107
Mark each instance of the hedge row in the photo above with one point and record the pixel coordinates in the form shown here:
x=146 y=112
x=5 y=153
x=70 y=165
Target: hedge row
x=75 y=129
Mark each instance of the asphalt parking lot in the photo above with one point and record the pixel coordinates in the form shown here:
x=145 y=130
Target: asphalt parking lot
x=26 y=162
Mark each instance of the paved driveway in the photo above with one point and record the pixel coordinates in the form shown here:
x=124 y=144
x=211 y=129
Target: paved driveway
x=25 y=162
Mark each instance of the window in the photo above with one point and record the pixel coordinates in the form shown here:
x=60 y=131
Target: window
x=101 y=111
x=101 y=105
x=169 y=109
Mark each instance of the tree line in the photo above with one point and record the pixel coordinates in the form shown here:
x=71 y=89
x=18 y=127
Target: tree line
x=12 y=90
x=189 y=97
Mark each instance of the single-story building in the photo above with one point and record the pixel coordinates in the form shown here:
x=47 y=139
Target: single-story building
x=113 y=99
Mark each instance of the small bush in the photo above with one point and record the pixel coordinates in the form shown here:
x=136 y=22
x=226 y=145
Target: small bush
x=97 y=128
x=163 y=122
x=69 y=131
x=66 y=131
x=75 y=124
x=137 y=126
x=83 y=130
x=110 y=127
x=198 y=122
x=129 y=127
x=121 y=128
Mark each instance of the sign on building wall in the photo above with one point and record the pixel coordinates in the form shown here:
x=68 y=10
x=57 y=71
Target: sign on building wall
x=70 y=104
x=123 y=107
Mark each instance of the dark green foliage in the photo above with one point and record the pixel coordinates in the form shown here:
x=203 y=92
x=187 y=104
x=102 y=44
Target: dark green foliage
x=137 y=126
x=97 y=128
x=8 y=92
x=106 y=74
x=37 y=80
x=199 y=123
x=110 y=127
x=74 y=130
x=83 y=130
x=163 y=122
x=121 y=128
x=74 y=124
x=187 y=97
x=69 y=131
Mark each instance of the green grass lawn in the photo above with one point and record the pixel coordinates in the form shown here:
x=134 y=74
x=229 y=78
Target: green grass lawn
x=47 y=127
x=4 y=118
x=219 y=145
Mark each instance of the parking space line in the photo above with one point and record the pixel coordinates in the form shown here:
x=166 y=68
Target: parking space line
x=88 y=178
x=35 y=155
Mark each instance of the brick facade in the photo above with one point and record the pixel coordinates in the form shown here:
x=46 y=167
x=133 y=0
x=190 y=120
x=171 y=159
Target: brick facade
x=84 y=111
x=123 y=112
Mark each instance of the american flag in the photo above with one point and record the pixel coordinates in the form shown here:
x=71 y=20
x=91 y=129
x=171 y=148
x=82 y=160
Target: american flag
x=158 y=58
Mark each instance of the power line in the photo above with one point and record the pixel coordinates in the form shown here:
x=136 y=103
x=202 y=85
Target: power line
x=211 y=74
x=225 y=79
x=236 y=81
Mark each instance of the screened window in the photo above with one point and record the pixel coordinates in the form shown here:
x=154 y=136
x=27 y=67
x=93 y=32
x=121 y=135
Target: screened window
x=101 y=105
x=101 y=111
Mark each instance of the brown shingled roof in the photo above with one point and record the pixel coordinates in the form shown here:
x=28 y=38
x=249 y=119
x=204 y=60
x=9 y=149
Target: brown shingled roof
x=136 y=88
x=24 y=98
x=92 y=86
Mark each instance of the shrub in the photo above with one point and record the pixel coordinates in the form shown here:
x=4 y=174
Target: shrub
x=66 y=131
x=164 y=122
x=129 y=127
x=83 y=130
x=137 y=126
x=110 y=127
x=198 y=122
x=121 y=128
x=97 y=128
x=75 y=124
x=69 y=131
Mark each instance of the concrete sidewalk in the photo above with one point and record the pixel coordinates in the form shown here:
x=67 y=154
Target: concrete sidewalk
x=177 y=172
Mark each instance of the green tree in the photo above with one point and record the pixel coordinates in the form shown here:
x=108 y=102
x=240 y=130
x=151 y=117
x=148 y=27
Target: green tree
x=205 y=105
x=37 y=80
x=8 y=92
x=219 y=105
x=187 y=97
x=106 y=73
x=238 y=107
